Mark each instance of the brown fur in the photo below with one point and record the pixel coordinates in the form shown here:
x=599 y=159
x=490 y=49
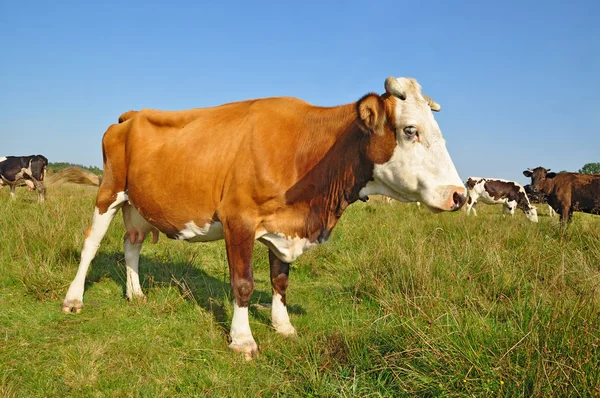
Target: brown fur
x=567 y=192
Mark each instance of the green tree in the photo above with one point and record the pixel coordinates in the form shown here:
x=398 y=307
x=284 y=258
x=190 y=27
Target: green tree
x=590 y=168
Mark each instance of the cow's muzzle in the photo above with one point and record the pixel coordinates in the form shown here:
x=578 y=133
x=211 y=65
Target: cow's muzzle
x=458 y=198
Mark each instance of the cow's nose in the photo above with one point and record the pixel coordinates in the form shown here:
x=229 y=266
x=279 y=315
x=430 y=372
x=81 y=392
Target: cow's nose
x=459 y=200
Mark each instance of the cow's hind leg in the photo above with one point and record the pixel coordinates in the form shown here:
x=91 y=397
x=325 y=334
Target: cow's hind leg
x=13 y=188
x=137 y=230
x=508 y=208
x=74 y=299
x=279 y=281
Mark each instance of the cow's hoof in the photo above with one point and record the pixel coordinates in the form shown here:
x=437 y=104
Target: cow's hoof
x=286 y=330
x=248 y=348
x=72 y=306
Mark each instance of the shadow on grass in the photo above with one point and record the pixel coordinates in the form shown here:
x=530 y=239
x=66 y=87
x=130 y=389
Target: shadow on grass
x=194 y=284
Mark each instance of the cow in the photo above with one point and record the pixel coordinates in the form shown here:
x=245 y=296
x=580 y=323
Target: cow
x=509 y=194
x=24 y=170
x=277 y=170
x=567 y=192
x=538 y=197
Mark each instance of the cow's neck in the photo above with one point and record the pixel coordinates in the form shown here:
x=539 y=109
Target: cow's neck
x=547 y=186
x=333 y=184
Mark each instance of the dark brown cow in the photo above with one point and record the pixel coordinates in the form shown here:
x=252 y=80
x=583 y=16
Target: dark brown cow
x=24 y=170
x=567 y=192
x=276 y=170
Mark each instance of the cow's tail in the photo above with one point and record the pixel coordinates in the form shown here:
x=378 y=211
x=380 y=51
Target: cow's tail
x=73 y=175
x=126 y=116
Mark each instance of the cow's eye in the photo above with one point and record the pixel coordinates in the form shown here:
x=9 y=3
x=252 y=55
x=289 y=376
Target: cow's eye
x=411 y=132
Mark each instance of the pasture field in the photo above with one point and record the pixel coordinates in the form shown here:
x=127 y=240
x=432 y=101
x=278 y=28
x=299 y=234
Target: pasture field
x=399 y=302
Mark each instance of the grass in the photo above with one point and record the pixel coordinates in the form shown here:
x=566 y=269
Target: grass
x=399 y=302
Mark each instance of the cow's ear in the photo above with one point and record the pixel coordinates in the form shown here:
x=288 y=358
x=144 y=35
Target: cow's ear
x=550 y=175
x=527 y=173
x=371 y=114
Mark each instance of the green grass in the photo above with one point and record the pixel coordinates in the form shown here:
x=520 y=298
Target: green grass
x=399 y=302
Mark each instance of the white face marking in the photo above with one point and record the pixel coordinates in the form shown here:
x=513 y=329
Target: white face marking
x=531 y=214
x=208 y=233
x=287 y=249
x=420 y=169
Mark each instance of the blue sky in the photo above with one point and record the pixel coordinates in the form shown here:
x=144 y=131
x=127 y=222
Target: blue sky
x=518 y=81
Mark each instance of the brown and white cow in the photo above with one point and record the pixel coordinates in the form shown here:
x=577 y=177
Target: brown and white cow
x=492 y=191
x=24 y=170
x=276 y=170
x=567 y=192
x=538 y=198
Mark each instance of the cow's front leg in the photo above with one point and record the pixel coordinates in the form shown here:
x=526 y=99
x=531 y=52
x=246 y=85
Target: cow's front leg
x=239 y=239
x=565 y=214
x=13 y=188
x=506 y=210
x=279 y=281
x=41 y=189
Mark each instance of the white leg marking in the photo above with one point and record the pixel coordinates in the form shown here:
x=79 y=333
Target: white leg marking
x=280 y=318
x=241 y=335
x=100 y=223
x=132 y=258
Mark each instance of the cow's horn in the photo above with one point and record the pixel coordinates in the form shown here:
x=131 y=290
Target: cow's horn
x=393 y=87
x=432 y=104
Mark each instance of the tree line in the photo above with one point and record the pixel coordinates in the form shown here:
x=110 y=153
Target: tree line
x=55 y=167
x=590 y=168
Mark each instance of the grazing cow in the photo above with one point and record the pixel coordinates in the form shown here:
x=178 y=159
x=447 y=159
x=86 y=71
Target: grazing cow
x=24 y=170
x=494 y=191
x=567 y=192
x=276 y=170
x=539 y=198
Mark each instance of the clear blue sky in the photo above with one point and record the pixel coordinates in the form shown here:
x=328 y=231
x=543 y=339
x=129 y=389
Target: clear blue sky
x=519 y=81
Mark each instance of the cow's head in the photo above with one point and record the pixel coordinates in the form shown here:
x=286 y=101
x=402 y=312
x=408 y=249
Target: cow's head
x=539 y=177
x=39 y=165
x=531 y=213
x=411 y=161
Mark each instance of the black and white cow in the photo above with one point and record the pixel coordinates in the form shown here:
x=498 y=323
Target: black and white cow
x=493 y=191
x=24 y=170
